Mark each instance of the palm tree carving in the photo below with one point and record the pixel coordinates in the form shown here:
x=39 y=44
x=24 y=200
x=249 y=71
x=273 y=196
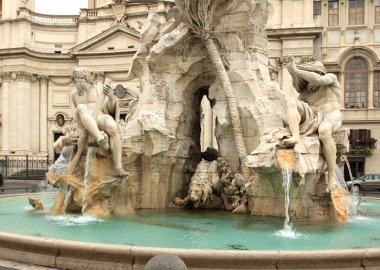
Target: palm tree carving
x=199 y=16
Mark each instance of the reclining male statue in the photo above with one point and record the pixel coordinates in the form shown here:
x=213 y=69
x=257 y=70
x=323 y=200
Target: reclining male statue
x=85 y=98
x=316 y=108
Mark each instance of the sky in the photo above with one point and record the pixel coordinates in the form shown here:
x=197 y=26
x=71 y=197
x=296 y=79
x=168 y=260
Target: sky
x=60 y=7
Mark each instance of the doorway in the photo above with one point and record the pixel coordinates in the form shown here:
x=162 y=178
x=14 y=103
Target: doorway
x=357 y=165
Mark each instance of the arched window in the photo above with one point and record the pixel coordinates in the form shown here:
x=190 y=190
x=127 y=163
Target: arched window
x=356 y=83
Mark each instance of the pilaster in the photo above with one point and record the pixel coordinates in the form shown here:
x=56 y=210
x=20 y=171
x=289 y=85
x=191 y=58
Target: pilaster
x=370 y=90
x=342 y=84
x=43 y=114
x=5 y=112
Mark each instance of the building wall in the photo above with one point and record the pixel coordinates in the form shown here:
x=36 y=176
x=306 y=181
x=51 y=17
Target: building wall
x=304 y=34
x=37 y=55
x=38 y=52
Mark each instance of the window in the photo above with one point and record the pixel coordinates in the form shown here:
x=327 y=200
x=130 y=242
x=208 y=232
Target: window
x=376 y=89
x=356 y=82
x=356 y=12
x=334 y=13
x=377 y=11
x=317 y=8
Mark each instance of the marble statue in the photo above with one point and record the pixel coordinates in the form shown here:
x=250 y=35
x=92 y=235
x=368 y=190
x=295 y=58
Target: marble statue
x=214 y=185
x=205 y=187
x=93 y=111
x=317 y=108
x=89 y=170
x=218 y=50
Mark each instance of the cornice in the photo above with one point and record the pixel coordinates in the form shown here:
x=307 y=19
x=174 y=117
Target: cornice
x=23 y=76
x=105 y=53
x=284 y=32
x=80 y=48
x=361 y=121
x=23 y=51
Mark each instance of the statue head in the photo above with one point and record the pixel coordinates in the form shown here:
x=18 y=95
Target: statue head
x=83 y=79
x=316 y=67
x=301 y=84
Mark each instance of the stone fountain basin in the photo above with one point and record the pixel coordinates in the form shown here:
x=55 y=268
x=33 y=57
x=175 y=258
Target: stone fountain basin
x=67 y=254
x=83 y=255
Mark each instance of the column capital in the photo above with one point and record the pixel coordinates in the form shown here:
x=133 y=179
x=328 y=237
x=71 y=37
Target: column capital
x=22 y=76
x=43 y=79
x=6 y=76
x=99 y=76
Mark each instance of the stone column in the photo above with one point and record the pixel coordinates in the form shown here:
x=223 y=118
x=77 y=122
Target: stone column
x=22 y=111
x=35 y=115
x=13 y=111
x=370 y=90
x=5 y=97
x=44 y=114
x=342 y=84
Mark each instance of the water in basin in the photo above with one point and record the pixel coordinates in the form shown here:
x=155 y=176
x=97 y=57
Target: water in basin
x=198 y=229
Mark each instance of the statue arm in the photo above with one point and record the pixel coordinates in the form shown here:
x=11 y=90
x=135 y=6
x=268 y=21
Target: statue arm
x=315 y=78
x=73 y=99
x=110 y=105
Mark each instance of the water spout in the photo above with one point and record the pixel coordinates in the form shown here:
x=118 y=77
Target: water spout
x=286 y=182
x=286 y=160
x=87 y=197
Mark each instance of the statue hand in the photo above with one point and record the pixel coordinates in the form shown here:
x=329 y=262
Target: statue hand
x=107 y=90
x=70 y=140
x=289 y=63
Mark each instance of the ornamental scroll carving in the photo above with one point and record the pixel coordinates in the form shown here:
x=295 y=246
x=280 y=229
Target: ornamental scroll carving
x=118 y=7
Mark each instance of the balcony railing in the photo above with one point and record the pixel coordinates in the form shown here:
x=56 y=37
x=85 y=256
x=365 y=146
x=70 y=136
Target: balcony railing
x=48 y=19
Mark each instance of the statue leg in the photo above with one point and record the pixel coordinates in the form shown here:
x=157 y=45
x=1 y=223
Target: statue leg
x=90 y=124
x=331 y=122
x=329 y=153
x=293 y=114
x=108 y=124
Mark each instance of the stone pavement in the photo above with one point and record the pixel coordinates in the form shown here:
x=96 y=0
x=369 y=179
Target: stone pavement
x=19 y=186
x=9 y=265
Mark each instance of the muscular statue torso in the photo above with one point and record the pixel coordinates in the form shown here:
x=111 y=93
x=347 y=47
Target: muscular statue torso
x=88 y=98
x=326 y=98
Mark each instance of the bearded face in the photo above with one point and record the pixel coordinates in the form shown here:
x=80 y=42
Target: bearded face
x=81 y=87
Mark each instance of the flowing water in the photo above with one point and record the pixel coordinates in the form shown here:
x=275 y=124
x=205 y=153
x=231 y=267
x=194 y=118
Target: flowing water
x=199 y=229
x=287 y=231
x=86 y=197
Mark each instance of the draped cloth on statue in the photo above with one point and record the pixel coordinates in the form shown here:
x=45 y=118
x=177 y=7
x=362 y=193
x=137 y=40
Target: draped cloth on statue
x=310 y=124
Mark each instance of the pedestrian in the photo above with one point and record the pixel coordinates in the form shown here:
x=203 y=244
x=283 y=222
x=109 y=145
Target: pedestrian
x=165 y=262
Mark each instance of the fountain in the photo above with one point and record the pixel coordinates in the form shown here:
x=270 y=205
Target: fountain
x=215 y=49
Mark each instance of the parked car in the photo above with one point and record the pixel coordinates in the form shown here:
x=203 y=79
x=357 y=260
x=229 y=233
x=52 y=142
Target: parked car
x=365 y=182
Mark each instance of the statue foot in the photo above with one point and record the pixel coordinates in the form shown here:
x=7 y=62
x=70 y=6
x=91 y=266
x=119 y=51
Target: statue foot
x=121 y=173
x=331 y=187
x=103 y=143
x=290 y=142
